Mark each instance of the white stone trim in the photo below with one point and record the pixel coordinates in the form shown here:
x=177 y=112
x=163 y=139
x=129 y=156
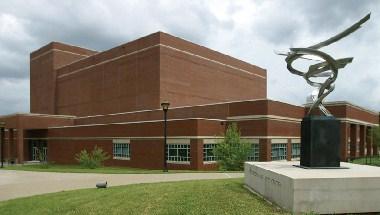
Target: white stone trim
x=210 y=162
x=121 y=141
x=179 y=162
x=59 y=50
x=264 y=117
x=213 y=61
x=295 y=140
x=179 y=107
x=251 y=140
x=231 y=118
x=355 y=121
x=121 y=158
x=279 y=141
x=336 y=103
x=150 y=47
x=135 y=122
x=288 y=119
x=39 y=115
x=352 y=105
x=161 y=137
x=212 y=141
x=105 y=61
x=178 y=141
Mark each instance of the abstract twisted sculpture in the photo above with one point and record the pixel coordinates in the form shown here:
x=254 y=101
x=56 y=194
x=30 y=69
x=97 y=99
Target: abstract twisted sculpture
x=327 y=68
x=320 y=135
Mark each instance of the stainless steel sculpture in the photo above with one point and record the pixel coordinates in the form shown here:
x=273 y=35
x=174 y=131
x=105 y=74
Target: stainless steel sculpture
x=328 y=67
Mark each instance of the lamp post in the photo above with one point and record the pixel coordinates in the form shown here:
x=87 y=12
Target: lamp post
x=165 y=108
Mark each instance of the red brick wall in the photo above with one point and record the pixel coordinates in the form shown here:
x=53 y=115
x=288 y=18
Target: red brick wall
x=127 y=84
x=218 y=111
x=281 y=128
x=244 y=108
x=117 y=81
x=185 y=79
x=43 y=65
x=64 y=143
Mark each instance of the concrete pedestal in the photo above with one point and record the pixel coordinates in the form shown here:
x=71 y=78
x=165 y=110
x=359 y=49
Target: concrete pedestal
x=324 y=191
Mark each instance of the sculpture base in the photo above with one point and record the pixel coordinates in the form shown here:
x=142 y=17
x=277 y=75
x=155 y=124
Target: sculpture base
x=355 y=189
x=307 y=167
x=320 y=142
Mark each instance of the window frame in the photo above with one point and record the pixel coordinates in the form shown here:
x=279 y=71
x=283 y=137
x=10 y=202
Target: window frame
x=121 y=142
x=279 y=144
x=255 y=143
x=213 y=142
x=173 y=144
x=296 y=142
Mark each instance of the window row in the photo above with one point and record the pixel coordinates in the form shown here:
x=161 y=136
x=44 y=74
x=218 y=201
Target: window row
x=181 y=152
x=279 y=151
x=208 y=152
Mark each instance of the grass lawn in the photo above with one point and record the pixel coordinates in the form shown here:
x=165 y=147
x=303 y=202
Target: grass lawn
x=375 y=161
x=227 y=196
x=79 y=169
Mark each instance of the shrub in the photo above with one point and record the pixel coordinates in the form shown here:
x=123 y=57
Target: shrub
x=231 y=152
x=91 y=160
x=44 y=165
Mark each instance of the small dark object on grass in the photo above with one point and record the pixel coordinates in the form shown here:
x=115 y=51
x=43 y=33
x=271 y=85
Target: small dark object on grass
x=102 y=184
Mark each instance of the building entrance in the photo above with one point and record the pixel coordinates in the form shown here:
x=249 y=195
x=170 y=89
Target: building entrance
x=38 y=150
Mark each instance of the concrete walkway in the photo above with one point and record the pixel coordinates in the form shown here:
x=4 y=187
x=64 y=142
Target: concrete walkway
x=14 y=184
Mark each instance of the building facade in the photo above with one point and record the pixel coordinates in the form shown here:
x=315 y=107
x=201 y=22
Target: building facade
x=80 y=98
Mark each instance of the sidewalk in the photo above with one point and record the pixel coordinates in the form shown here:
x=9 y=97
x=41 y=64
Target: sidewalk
x=14 y=184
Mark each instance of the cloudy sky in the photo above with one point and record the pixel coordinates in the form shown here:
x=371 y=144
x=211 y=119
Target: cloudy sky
x=248 y=30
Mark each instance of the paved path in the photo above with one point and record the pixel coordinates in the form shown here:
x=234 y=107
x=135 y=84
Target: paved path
x=14 y=184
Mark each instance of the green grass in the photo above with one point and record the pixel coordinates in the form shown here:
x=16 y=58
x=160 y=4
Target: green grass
x=79 y=169
x=374 y=161
x=227 y=196
x=105 y=170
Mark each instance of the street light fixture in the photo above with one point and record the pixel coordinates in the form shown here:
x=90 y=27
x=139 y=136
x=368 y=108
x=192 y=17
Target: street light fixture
x=165 y=108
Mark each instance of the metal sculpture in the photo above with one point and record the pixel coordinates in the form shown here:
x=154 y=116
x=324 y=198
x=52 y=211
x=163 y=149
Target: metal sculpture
x=328 y=67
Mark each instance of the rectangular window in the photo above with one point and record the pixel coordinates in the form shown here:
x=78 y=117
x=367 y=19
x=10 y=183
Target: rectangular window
x=254 y=153
x=121 y=149
x=178 y=151
x=296 y=150
x=279 y=151
x=208 y=152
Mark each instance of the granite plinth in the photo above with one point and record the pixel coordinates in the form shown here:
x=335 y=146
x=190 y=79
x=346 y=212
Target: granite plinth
x=324 y=191
x=320 y=141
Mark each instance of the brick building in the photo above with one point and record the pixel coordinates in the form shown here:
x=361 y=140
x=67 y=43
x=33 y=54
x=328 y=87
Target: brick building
x=80 y=98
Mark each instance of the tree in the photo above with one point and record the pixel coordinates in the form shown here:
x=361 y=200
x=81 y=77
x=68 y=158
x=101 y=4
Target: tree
x=376 y=136
x=231 y=152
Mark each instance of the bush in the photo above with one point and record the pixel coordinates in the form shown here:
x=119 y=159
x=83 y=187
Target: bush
x=44 y=165
x=231 y=152
x=91 y=160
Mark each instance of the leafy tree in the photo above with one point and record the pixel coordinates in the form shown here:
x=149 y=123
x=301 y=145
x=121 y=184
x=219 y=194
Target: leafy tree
x=231 y=152
x=376 y=136
x=92 y=160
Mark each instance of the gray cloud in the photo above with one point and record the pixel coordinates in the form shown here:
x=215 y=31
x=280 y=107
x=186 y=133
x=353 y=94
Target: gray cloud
x=327 y=15
x=249 y=30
